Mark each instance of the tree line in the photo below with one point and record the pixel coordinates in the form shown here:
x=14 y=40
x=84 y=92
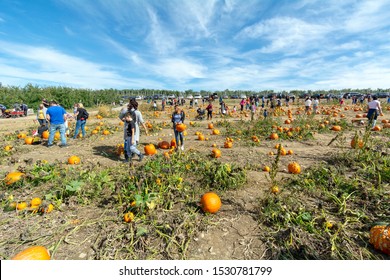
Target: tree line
x=67 y=96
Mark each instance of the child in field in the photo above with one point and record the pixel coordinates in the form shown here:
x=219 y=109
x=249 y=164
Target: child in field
x=265 y=113
x=131 y=147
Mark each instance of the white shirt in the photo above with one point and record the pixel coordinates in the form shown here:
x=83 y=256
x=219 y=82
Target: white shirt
x=374 y=104
x=315 y=103
x=308 y=103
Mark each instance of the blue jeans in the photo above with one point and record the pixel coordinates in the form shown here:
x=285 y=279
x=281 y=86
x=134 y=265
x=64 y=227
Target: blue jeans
x=53 y=129
x=131 y=149
x=80 y=124
x=178 y=136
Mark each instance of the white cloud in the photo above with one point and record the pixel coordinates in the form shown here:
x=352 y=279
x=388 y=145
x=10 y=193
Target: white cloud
x=286 y=34
x=51 y=66
x=178 y=69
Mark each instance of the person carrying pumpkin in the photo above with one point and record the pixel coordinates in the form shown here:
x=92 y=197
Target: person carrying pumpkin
x=131 y=147
x=178 y=117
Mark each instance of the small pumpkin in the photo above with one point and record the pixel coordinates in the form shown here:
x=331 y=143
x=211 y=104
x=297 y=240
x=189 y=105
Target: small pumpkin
x=36 y=201
x=8 y=148
x=210 y=202
x=275 y=190
x=181 y=127
x=228 y=144
x=128 y=217
x=215 y=153
x=28 y=140
x=266 y=168
x=216 y=132
x=377 y=128
x=22 y=135
x=210 y=126
x=57 y=135
x=294 y=168
x=380 y=238
x=336 y=128
x=46 y=208
x=274 y=136
x=106 y=132
x=201 y=137
x=45 y=134
x=173 y=143
x=21 y=206
x=33 y=253
x=357 y=143
x=13 y=177
x=150 y=150
x=73 y=160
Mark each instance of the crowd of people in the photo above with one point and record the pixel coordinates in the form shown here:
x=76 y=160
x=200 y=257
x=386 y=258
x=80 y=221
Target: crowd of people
x=53 y=117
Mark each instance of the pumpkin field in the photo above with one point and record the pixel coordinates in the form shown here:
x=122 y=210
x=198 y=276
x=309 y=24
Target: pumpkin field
x=295 y=185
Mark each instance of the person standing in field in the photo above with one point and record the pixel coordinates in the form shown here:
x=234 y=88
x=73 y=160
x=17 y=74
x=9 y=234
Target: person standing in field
x=315 y=105
x=374 y=109
x=209 y=109
x=242 y=103
x=41 y=115
x=138 y=119
x=178 y=117
x=131 y=147
x=81 y=116
x=56 y=116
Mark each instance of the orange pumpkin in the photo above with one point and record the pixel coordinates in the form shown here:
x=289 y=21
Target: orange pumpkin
x=33 y=253
x=228 y=144
x=150 y=150
x=215 y=153
x=13 y=177
x=294 y=168
x=164 y=145
x=336 y=128
x=28 y=140
x=210 y=202
x=357 y=143
x=181 y=127
x=201 y=137
x=210 y=126
x=128 y=217
x=106 y=132
x=57 y=135
x=22 y=135
x=36 y=201
x=8 y=148
x=216 y=131
x=173 y=143
x=266 y=169
x=94 y=131
x=274 y=136
x=377 y=128
x=45 y=135
x=74 y=160
x=380 y=238
x=275 y=190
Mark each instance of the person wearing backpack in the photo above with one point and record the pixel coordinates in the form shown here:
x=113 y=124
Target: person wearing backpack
x=81 y=119
x=178 y=117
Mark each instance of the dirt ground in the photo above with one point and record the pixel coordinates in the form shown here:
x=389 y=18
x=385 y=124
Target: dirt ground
x=233 y=233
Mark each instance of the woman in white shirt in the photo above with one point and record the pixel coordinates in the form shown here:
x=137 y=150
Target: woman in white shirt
x=374 y=109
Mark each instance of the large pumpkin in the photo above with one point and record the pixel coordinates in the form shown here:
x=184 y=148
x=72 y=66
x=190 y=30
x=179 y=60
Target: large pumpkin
x=380 y=238
x=13 y=177
x=74 y=160
x=210 y=202
x=181 y=127
x=150 y=150
x=164 y=145
x=294 y=168
x=33 y=253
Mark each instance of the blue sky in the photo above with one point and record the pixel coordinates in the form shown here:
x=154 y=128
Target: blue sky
x=196 y=44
